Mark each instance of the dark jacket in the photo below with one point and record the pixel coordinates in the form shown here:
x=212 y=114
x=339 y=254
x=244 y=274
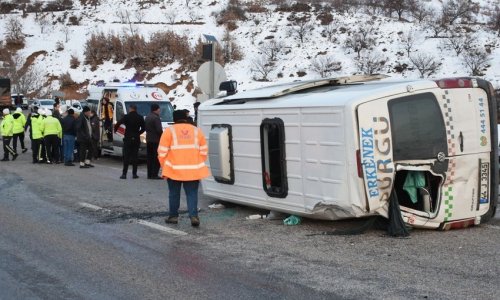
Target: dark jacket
x=134 y=125
x=83 y=129
x=153 y=128
x=94 y=123
x=68 y=124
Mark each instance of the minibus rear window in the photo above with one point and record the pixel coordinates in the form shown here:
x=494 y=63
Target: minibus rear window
x=418 y=129
x=272 y=141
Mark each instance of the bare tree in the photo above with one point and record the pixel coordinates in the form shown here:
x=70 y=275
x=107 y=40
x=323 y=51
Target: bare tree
x=43 y=22
x=271 y=49
x=409 y=39
x=476 y=60
x=300 y=27
x=330 y=31
x=25 y=78
x=458 y=43
x=370 y=63
x=420 y=11
x=139 y=15
x=397 y=6
x=425 y=64
x=14 y=30
x=66 y=31
x=361 y=40
x=230 y=49
x=437 y=24
x=325 y=66
x=458 y=9
x=193 y=16
x=125 y=18
x=262 y=66
x=495 y=20
x=171 y=15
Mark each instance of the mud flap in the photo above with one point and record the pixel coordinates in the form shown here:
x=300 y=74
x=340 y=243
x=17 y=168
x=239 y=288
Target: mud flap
x=396 y=226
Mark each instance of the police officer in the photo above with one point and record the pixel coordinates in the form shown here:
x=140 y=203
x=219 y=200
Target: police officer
x=34 y=122
x=6 y=130
x=134 y=127
x=52 y=134
x=18 y=130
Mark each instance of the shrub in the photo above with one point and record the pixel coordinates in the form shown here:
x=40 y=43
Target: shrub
x=65 y=80
x=74 y=62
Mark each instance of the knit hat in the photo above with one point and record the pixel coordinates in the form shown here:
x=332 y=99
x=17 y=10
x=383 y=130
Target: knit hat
x=6 y=111
x=179 y=115
x=86 y=109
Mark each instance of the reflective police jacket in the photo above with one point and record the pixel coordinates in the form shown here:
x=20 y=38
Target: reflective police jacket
x=7 y=126
x=19 y=122
x=50 y=126
x=35 y=123
x=182 y=153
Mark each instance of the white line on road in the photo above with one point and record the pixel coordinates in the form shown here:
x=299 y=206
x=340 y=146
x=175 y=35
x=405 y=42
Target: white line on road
x=161 y=228
x=92 y=206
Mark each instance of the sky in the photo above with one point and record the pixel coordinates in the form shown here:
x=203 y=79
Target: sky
x=293 y=56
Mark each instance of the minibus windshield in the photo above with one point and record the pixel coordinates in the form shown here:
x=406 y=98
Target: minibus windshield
x=144 y=108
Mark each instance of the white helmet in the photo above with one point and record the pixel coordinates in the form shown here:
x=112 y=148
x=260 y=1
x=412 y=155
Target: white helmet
x=6 y=111
x=19 y=109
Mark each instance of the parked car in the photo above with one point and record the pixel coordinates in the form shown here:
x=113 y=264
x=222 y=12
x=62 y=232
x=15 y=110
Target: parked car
x=43 y=103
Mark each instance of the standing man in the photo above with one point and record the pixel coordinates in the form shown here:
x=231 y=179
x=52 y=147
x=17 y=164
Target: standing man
x=18 y=130
x=153 y=134
x=182 y=154
x=94 y=123
x=69 y=134
x=84 y=138
x=35 y=124
x=7 y=133
x=107 y=117
x=134 y=127
x=52 y=134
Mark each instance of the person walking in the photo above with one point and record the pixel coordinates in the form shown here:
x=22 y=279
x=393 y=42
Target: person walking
x=153 y=134
x=6 y=129
x=34 y=122
x=107 y=117
x=84 y=138
x=69 y=135
x=182 y=153
x=134 y=127
x=52 y=134
x=18 y=130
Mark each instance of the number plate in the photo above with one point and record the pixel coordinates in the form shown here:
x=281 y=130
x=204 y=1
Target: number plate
x=484 y=176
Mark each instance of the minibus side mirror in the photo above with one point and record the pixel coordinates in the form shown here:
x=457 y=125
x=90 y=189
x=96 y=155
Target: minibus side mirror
x=229 y=86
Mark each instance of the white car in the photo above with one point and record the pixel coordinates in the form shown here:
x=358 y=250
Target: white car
x=43 y=103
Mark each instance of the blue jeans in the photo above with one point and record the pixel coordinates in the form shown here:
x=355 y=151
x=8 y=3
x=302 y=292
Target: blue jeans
x=174 y=196
x=69 y=147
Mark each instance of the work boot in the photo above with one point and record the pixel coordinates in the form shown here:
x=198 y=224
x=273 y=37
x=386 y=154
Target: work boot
x=14 y=157
x=123 y=176
x=135 y=176
x=5 y=159
x=172 y=220
x=195 y=221
x=24 y=150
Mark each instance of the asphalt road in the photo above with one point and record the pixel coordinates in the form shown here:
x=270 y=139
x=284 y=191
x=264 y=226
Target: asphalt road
x=70 y=233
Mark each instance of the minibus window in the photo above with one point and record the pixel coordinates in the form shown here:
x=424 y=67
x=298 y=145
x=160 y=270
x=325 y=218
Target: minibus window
x=272 y=141
x=119 y=111
x=418 y=129
x=144 y=108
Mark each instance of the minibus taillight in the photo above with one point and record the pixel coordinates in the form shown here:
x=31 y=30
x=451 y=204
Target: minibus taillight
x=459 y=224
x=358 y=162
x=456 y=83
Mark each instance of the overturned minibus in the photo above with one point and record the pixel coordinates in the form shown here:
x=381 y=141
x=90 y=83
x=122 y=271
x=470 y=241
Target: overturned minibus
x=339 y=148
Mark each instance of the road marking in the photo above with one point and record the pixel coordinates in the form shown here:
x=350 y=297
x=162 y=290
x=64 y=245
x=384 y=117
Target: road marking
x=92 y=206
x=492 y=226
x=161 y=228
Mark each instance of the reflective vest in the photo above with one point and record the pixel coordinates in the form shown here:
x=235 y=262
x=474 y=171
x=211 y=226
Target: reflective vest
x=109 y=109
x=182 y=153
x=19 y=123
x=36 y=126
x=51 y=125
x=7 y=125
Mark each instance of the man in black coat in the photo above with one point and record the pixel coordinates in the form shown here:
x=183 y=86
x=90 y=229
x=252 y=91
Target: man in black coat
x=134 y=127
x=84 y=136
x=153 y=135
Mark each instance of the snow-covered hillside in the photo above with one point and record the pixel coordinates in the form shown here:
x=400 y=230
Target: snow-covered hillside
x=322 y=44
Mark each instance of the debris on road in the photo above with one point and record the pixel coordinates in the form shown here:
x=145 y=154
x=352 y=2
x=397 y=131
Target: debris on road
x=292 y=220
x=216 y=206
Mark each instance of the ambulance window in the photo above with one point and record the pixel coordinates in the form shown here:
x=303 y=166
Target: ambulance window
x=272 y=142
x=418 y=130
x=119 y=110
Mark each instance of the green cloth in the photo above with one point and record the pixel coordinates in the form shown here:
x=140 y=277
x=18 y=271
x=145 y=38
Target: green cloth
x=413 y=181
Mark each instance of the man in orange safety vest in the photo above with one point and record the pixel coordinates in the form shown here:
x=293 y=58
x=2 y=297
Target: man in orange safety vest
x=182 y=153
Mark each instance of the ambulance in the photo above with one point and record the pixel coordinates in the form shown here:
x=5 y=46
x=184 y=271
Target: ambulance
x=122 y=96
x=343 y=147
